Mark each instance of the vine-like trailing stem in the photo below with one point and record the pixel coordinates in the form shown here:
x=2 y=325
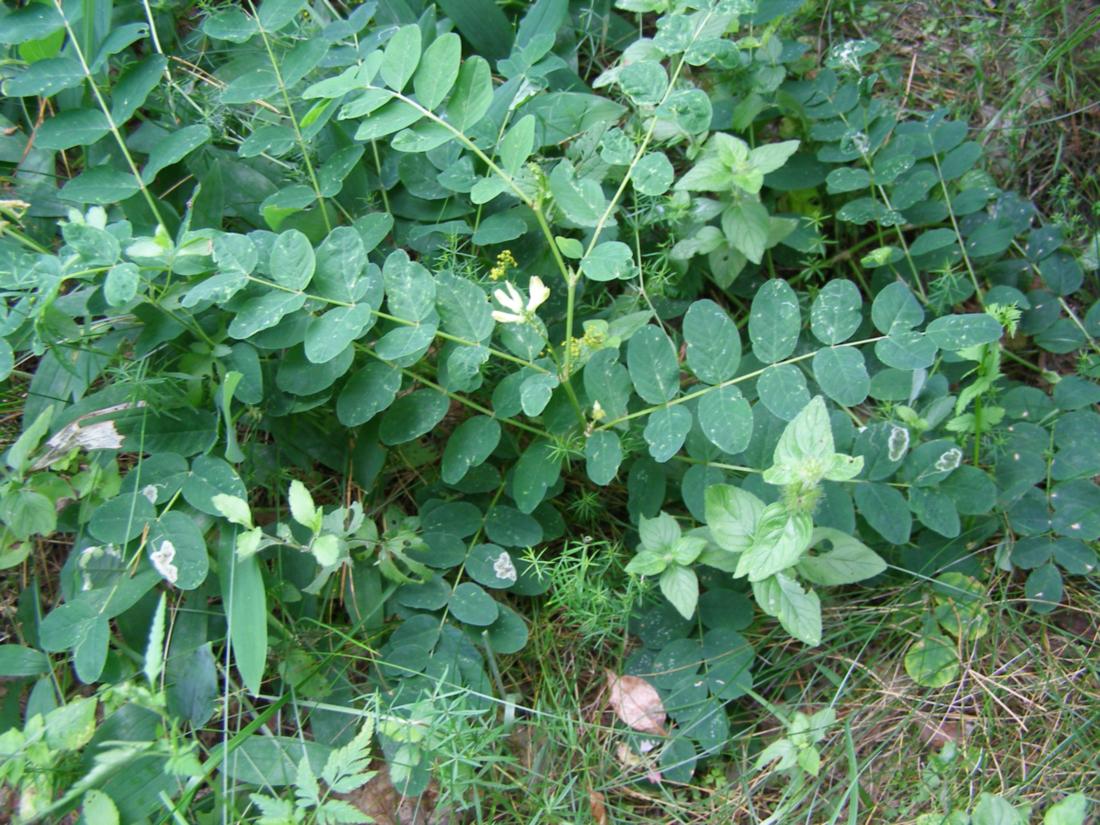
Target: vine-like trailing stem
x=737 y=380
x=297 y=129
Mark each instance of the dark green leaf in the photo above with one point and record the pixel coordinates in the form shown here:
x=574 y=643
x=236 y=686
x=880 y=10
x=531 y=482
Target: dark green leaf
x=653 y=367
x=775 y=321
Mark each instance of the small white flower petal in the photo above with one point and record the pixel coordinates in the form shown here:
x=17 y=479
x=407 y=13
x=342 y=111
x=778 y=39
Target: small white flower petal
x=538 y=294
x=511 y=299
x=507 y=317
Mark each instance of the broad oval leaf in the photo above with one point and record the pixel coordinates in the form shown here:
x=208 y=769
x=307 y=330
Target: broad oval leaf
x=774 y=322
x=654 y=370
x=713 y=343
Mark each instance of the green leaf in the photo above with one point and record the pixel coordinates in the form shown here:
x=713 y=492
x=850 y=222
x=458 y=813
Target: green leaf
x=956 y=332
x=644 y=82
x=330 y=334
x=293 y=261
x=121 y=284
x=1044 y=589
x=438 y=69
x=726 y=419
x=7 y=359
x=472 y=442
x=470 y=604
x=210 y=476
x=782 y=389
x=732 y=516
x=412 y=416
x=798 y=610
x=491 y=565
x=885 y=510
x=895 y=309
x=713 y=343
x=665 y=432
x=653 y=174
x=778 y=542
x=847 y=179
x=121 y=519
x=17 y=662
x=400 y=57
x=842 y=375
x=45 y=78
x=774 y=322
x=264 y=312
x=229 y=23
x=835 y=314
x=517 y=144
x=509 y=527
x=463 y=306
x=32 y=22
x=99 y=808
x=849 y=561
x=659 y=534
x=245 y=604
x=772 y=156
x=536 y=471
x=1072 y=810
x=654 y=370
x=482 y=23
x=410 y=289
x=394 y=116
x=603 y=454
x=178 y=551
x=100 y=185
x=174 y=148
x=302 y=509
x=609 y=261
x=932 y=662
x=681 y=587
x=581 y=200
x=275 y=14
x=132 y=89
x=472 y=95
x=747 y=226
x=906 y=350
x=73 y=127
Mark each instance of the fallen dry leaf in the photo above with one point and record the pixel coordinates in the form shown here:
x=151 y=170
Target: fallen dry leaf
x=599 y=812
x=637 y=703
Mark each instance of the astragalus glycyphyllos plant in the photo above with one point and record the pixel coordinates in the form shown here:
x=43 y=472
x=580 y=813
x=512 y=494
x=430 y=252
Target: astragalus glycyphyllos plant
x=432 y=281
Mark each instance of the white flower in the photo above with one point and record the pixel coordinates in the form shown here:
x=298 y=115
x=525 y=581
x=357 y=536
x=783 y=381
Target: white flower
x=519 y=312
x=162 y=561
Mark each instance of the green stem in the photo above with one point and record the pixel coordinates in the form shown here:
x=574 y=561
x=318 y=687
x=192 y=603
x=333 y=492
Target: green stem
x=699 y=393
x=107 y=114
x=302 y=146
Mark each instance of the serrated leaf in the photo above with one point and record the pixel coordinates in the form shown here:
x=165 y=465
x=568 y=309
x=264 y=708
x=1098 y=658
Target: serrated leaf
x=798 y=610
x=732 y=516
x=680 y=586
x=849 y=560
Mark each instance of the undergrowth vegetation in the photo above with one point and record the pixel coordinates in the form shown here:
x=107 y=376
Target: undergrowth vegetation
x=538 y=412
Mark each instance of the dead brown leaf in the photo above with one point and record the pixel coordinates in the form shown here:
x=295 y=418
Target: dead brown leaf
x=595 y=803
x=637 y=703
